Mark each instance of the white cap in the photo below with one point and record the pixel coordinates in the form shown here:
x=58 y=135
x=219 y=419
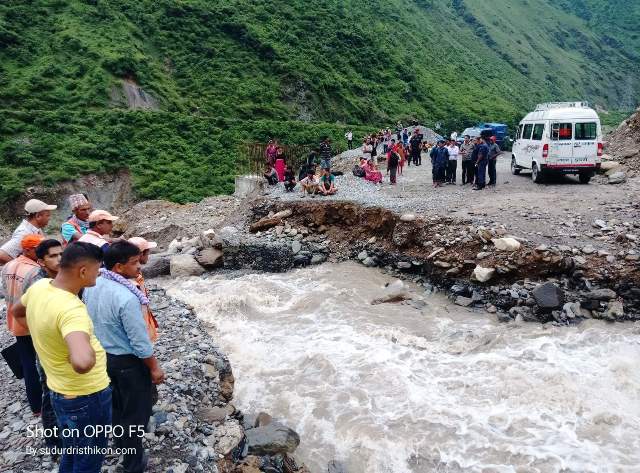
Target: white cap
x=98 y=215
x=142 y=243
x=34 y=206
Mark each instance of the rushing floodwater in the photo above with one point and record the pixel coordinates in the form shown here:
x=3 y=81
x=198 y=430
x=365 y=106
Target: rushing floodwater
x=389 y=388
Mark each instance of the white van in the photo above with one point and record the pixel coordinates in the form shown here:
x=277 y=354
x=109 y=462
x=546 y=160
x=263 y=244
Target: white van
x=563 y=138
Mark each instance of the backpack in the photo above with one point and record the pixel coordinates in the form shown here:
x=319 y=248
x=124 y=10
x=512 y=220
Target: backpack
x=358 y=171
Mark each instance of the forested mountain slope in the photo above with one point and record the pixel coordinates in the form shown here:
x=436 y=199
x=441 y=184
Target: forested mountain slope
x=347 y=61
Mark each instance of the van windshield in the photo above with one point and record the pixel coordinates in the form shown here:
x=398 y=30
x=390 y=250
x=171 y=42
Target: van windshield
x=561 y=131
x=586 y=131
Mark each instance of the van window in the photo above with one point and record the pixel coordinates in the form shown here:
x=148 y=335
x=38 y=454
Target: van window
x=561 y=131
x=586 y=131
x=520 y=131
x=538 y=131
x=526 y=134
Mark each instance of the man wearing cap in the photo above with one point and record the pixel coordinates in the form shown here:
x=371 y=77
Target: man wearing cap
x=149 y=319
x=38 y=214
x=13 y=276
x=77 y=225
x=100 y=226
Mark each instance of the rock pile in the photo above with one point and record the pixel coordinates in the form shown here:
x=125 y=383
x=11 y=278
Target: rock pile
x=624 y=143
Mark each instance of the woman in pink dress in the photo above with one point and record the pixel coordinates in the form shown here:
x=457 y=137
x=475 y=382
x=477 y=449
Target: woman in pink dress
x=371 y=172
x=279 y=164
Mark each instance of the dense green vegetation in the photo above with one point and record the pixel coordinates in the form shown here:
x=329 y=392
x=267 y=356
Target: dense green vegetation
x=224 y=72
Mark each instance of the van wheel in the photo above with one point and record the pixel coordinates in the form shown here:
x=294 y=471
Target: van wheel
x=536 y=174
x=515 y=170
x=584 y=178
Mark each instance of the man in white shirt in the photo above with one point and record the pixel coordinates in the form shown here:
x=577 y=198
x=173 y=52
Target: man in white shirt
x=349 y=136
x=452 y=167
x=38 y=214
x=100 y=226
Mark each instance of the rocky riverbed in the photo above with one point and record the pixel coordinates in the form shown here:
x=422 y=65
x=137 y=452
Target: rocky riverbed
x=195 y=427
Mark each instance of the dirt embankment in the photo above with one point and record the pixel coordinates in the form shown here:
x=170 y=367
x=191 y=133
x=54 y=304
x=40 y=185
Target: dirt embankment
x=445 y=251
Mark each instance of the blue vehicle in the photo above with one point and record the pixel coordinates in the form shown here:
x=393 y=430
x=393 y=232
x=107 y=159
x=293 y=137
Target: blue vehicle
x=499 y=130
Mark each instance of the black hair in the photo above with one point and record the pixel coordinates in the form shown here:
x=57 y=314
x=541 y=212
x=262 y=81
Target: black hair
x=119 y=252
x=92 y=224
x=43 y=248
x=79 y=251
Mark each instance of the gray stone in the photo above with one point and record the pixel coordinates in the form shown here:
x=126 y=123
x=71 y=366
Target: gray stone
x=158 y=265
x=362 y=255
x=184 y=266
x=228 y=437
x=615 y=311
x=272 y=439
x=617 y=177
x=369 y=261
x=210 y=258
x=548 y=296
x=296 y=246
x=403 y=265
x=408 y=217
x=481 y=274
x=463 y=301
x=587 y=250
x=318 y=258
x=601 y=294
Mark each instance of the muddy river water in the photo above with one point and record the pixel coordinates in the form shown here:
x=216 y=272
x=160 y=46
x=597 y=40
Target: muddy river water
x=390 y=388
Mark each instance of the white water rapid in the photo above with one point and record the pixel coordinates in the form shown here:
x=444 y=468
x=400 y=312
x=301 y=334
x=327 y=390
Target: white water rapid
x=388 y=388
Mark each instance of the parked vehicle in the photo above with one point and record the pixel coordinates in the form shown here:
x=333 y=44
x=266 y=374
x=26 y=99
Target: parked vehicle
x=499 y=130
x=560 y=137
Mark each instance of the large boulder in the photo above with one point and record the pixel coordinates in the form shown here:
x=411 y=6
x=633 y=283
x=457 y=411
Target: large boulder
x=548 y=296
x=272 y=439
x=158 y=265
x=265 y=224
x=617 y=177
x=210 y=258
x=185 y=266
x=394 y=292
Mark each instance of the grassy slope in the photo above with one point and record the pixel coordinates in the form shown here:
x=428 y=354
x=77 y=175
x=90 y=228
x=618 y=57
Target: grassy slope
x=217 y=67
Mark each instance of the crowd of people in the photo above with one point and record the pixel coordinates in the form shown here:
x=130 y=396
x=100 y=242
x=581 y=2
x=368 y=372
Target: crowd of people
x=403 y=147
x=79 y=310
x=315 y=176
x=477 y=156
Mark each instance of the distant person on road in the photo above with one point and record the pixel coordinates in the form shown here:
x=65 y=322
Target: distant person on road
x=77 y=225
x=367 y=149
x=38 y=215
x=270 y=153
x=372 y=174
x=482 y=159
x=349 y=136
x=393 y=161
x=100 y=227
x=415 y=145
x=405 y=137
x=494 y=152
x=328 y=183
x=452 y=165
x=439 y=161
x=289 y=179
x=325 y=153
x=468 y=164
x=309 y=185
x=270 y=175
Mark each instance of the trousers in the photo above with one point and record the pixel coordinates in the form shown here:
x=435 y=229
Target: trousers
x=31 y=378
x=132 y=402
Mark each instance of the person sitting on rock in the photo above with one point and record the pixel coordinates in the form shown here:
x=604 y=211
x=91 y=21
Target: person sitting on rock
x=270 y=175
x=309 y=184
x=327 y=183
x=289 y=179
x=372 y=173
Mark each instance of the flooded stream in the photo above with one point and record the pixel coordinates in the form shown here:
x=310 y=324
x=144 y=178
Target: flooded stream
x=389 y=388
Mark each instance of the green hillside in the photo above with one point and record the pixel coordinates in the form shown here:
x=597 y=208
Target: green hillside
x=222 y=72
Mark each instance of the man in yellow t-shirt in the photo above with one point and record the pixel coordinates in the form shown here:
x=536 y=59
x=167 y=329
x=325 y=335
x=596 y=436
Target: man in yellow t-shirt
x=71 y=356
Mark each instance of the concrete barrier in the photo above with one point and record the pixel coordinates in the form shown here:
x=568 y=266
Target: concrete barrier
x=247 y=185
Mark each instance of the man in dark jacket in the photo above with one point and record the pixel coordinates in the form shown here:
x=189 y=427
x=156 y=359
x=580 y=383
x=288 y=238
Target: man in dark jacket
x=416 y=148
x=494 y=152
x=482 y=160
x=439 y=160
x=393 y=160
